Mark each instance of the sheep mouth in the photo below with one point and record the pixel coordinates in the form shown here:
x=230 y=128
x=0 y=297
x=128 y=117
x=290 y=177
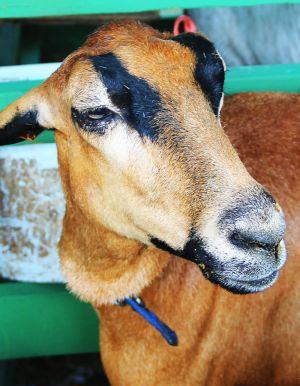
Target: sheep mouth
x=215 y=271
x=239 y=286
x=218 y=274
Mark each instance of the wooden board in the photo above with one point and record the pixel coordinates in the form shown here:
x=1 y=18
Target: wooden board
x=33 y=8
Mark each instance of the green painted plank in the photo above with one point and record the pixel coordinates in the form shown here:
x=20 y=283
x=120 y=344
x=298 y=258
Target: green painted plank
x=33 y=8
x=281 y=77
x=44 y=319
x=10 y=91
x=10 y=34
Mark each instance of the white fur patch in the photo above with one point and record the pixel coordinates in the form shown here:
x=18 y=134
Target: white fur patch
x=45 y=117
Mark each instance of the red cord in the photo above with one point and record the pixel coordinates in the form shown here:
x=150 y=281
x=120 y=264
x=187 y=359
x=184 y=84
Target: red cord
x=188 y=24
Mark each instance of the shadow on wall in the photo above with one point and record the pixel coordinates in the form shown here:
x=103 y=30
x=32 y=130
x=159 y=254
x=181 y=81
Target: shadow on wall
x=266 y=34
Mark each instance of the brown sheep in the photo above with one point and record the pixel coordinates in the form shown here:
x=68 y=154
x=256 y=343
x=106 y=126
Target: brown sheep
x=149 y=175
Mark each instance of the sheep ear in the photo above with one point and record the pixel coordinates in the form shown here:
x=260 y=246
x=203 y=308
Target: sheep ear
x=25 y=118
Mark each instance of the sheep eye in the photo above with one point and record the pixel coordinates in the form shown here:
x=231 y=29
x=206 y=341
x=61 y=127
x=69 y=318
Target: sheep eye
x=99 y=113
x=94 y=119
x=96 y=116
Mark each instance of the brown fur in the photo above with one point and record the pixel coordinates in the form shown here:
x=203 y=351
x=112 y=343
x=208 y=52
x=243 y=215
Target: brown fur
x=191 y=176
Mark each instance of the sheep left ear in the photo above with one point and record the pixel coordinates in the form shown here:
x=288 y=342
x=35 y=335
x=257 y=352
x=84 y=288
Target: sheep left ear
x=25 y=118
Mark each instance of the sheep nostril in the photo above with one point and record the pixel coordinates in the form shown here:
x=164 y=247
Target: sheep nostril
x=250 y=242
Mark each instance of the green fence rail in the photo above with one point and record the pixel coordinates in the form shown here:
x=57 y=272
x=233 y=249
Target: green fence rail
x=44 y=319
x=33 y=8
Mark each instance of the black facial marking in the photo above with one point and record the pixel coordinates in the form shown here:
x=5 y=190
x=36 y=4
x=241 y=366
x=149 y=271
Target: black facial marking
x=136 y=99
x=21 y=127
x=193 y=250
x=164 y=246
x=209 y=71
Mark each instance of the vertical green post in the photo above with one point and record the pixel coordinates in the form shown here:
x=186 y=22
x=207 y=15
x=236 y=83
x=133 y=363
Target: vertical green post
x=10 y=39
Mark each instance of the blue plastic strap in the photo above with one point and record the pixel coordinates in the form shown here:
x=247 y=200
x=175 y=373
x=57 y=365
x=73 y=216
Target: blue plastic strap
x=138 y=306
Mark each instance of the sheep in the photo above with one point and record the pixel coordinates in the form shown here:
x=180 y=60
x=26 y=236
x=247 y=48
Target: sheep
x=156 y=194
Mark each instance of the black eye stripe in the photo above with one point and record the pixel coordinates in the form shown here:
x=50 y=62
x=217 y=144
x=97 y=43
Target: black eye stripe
x=137 y=101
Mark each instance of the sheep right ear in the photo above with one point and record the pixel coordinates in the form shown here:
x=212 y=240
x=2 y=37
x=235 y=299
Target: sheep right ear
x=25 y=118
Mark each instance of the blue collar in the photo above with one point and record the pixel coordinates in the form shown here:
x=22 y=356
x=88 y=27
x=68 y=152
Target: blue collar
x=138 y=305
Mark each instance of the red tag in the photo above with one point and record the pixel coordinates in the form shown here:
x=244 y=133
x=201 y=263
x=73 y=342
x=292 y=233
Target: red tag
x=188 y=24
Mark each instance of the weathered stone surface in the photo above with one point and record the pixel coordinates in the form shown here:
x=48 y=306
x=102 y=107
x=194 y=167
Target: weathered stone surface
x=31 y=212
